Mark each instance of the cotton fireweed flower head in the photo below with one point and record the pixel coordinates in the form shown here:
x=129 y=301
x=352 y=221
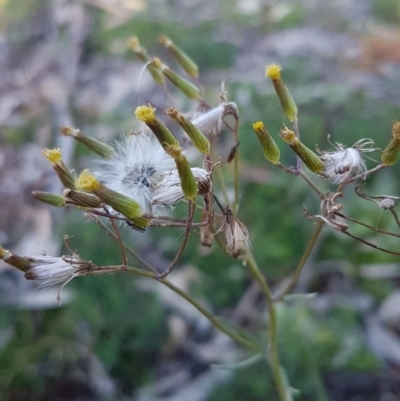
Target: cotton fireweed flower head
x=136 y=169
x=236 y=234
x=211 y=121
x=344 y=163
x=49 y=271
x=169 y=191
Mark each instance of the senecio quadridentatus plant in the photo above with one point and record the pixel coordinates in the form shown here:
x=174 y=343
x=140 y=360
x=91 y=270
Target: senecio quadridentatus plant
x=136 y=180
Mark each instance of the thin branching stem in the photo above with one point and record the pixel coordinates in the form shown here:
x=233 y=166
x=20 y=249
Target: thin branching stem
x=370 y=244
x=296 y=131
x=236 y=182
x=302 y=175
x=127 y=247
x=118 y=237
x=220 y=175
x=378 y=230
x=213 y=319
x=366 y=174
x=309 y=248
x=311 y=184
x=191 y=211
x=273 y=354
x=396 y=217
x=107 y=214
x=177 y=225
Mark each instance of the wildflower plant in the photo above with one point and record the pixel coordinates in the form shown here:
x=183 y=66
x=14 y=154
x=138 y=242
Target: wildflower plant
x=134 y=183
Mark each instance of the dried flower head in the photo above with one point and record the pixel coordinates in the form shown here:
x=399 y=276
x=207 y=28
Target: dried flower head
x=344 y=163
x=385 y=202
x=236 y=234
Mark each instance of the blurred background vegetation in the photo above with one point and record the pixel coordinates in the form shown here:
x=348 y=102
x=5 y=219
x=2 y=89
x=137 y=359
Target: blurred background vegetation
x=121 y=338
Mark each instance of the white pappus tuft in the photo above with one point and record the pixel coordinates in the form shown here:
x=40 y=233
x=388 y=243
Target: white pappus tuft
x=138 y=166
x=344 y=163
x=49 y=271
x=169 y=191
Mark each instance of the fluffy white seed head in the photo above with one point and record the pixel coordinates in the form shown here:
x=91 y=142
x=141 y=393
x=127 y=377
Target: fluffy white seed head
x=344 y=163
x=138 y=166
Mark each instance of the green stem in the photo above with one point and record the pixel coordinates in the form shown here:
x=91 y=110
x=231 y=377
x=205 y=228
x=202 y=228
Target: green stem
x=273 y=355
x=236 y=170
x=310 y=246
x=311 y=184
x=236 y=337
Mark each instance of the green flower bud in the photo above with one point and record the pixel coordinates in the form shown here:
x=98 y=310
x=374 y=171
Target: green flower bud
x=148 y=116
x=190 y=90
x=270 y=148
x=101 y=148
x=54 y=156
x=12 y=259
x=121 y=203
x=50 y=198
x=82 y=199
x=310 y=159
x=141 y=52
x=188 y=182
x=183 y=59
x=389 y=155
x=287 y=102
x=199 y=140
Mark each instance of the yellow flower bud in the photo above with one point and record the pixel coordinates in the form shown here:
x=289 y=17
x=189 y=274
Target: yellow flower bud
x=310 y=159
x=186 y=87
x=288 y=105
x=199 y=140
x=121 y=203
x=148 y=116
x=99 y=147
x=186 y=177
x=62 y=171
x=52 y=155
x=270 y=148
x=141 y=52
x=183 y=59
x=389 y=155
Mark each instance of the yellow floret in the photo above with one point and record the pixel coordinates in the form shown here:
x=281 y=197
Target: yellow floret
x=396 y=130
x=258 y=126
x=134 y=43
x=145 y=113
x=157 y=62
x=273 y=71
x=4 y=253
x=52 y=155
x=86 y=181
x=68 y=131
